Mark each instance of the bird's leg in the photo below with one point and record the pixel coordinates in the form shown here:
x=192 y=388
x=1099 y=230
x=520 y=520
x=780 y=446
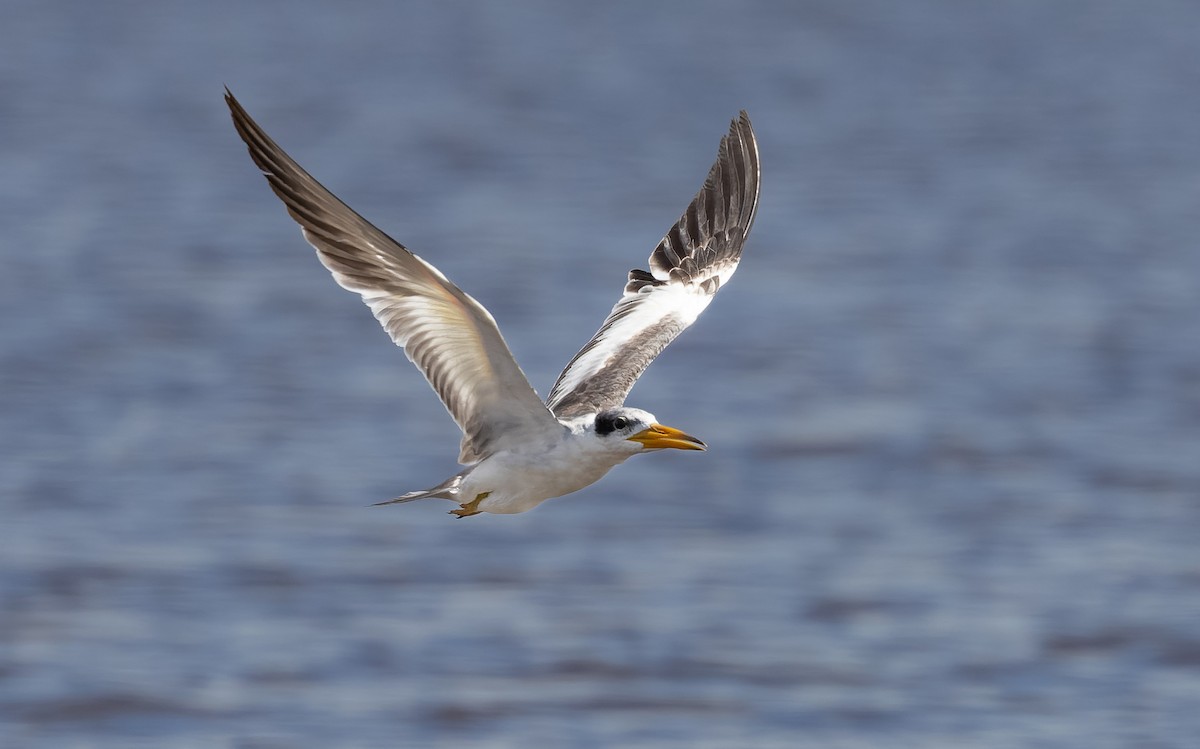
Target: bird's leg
x=471 y=508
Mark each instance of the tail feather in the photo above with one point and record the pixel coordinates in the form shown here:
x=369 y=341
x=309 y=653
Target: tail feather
x=448 y=489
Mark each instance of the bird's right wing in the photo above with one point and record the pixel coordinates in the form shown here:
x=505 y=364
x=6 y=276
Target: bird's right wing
x=692 y=262
x=447 y=334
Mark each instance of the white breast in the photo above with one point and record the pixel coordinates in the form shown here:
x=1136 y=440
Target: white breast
x=521 y=481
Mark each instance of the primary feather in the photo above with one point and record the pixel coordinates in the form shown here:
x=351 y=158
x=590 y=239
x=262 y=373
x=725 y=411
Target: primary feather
x=447 y=334
x=691 y=263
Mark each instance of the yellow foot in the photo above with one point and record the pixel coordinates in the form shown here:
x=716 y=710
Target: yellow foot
x=471 y=508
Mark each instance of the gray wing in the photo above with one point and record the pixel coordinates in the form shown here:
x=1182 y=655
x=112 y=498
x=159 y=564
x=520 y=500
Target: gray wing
x=447 y=334
x=696 y=257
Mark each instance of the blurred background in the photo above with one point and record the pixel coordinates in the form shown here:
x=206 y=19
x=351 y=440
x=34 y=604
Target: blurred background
x=952 y=397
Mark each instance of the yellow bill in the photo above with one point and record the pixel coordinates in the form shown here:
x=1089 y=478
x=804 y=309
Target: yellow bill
x=659 y=437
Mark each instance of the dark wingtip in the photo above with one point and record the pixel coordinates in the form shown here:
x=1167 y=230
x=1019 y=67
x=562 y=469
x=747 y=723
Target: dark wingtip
x=741 y=131
x=740 y=127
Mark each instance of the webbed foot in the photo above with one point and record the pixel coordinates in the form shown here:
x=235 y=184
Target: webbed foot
x=471 y=508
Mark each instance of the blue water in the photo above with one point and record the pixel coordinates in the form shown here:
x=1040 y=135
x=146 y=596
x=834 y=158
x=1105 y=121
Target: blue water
x=952 y=397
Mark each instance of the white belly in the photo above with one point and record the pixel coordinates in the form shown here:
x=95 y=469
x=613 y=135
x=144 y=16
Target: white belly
x=520 y=482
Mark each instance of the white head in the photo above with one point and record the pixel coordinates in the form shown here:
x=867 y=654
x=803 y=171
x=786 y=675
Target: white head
x=632 y=430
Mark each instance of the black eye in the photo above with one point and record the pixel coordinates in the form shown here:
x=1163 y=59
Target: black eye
x=608 y=422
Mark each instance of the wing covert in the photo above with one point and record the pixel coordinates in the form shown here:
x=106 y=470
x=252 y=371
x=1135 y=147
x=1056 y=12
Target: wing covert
x=451 y=338
x=697 y=256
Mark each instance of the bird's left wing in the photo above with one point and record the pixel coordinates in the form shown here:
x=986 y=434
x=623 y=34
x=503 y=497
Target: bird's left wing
x=696 y=257
x=447 y=334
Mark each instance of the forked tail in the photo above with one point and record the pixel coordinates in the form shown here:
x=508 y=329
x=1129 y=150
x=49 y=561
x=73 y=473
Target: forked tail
x=448 y=489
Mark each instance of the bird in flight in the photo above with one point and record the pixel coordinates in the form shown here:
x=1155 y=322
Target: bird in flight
x=518 y=451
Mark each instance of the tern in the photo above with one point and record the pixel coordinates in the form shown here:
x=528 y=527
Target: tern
x=519 y=451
